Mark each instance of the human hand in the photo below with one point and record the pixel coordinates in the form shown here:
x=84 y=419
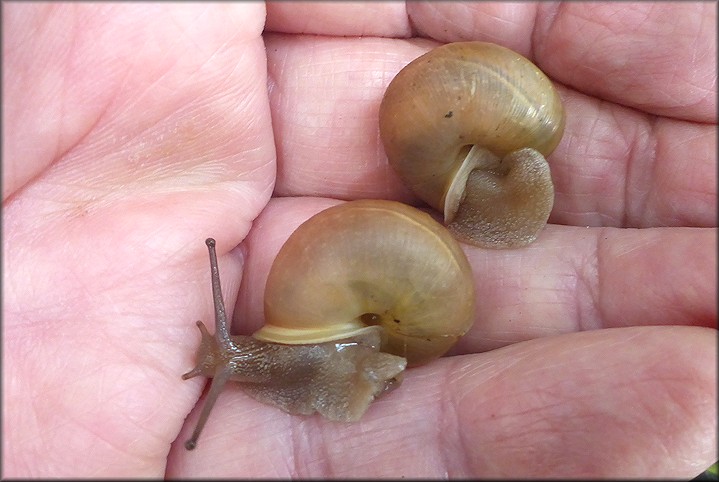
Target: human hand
x=133 y=132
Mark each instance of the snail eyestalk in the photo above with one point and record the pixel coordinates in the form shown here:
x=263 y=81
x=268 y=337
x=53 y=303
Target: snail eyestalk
x=221 y=328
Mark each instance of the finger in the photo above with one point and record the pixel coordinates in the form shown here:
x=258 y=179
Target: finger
x=381 y=19
x=105 y=250
x=503 y=23
x=570 y=279
x=555 y=407
x=656 y=57
x=617 y=167
x=614 y=166
x=328 y=144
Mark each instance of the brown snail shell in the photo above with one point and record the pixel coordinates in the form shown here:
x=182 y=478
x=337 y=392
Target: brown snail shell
x=467 y=127
x=371 y=263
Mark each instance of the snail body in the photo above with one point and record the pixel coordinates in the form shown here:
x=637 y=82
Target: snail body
x=467 y=127
x=356 y=294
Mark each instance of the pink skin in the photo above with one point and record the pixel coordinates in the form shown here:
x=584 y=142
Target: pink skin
x=135 y=131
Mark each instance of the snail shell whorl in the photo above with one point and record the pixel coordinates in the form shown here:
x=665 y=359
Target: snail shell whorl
x=371 y=263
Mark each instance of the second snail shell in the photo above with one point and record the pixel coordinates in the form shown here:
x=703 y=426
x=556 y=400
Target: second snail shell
x=480 y=116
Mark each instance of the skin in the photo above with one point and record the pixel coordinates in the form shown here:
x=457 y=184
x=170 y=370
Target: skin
x=133 y=132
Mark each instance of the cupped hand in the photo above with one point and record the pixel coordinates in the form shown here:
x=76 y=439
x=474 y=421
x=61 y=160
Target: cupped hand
x=133 y=132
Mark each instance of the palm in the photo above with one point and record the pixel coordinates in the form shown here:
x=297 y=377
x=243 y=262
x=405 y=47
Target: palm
x=141 y=133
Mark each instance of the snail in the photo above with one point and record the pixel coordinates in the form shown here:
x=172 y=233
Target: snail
x=467 y=127
x=356 y=294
